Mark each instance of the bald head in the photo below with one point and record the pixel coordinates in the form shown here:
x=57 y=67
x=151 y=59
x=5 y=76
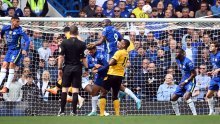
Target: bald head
x=106 y=22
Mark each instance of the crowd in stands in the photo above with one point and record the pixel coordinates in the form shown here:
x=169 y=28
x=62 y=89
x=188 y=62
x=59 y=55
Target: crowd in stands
x=160 y=9
x=34 y=8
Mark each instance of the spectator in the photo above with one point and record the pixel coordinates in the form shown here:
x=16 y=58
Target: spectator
x=132 y=15
x=166 y=89
x=138 y=10
x=41 y=67
x=109 y=11
x=202 y=83
x=162 y=61
x=39 y=8
x=33 y=55
x=18 y=11
x=15 y=92
x=141 y=37
x=2 y=13
x=134 y=53
x=132 y=36
x=183 y=4
x=130 y=5
x=191 y=52
x=59 y=41
x=90 y=9
x=98 y=12
x=168 y=14
x=173 y=70
x=31 y=96
x=23 y=79
x=215 y=9
x=44 y=51
x=205 y=59
x=172 y=50
x=117 y=13
x=185 y=13
x=124 y=11
x=105 y=4
x=151 y=52
x=154 y=13
x=26 y=62
x=137 y=60
x=52 y=68
x=171 y=8
x=11 y=11
x=44 y=84
x=54 y=44
x=160 y=9
x=153 y=78
x=82 y=14
x=27 y=12
x=202 y=12
x=37 y=39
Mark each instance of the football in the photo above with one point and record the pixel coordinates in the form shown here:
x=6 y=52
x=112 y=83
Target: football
x=147 y=9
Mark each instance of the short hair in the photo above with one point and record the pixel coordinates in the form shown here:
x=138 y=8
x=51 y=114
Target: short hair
x=66 y=29
x=74 y=30
x=15 y=17
x=9 y=8
x=91 y=46
x=27 y=8
x=127 y=43
x=216 y=43
x=181 y=50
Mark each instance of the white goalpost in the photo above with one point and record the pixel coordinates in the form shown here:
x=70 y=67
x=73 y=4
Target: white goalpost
x=152 y=57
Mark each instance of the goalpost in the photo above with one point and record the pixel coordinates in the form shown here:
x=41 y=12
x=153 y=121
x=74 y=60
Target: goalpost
x=153 y=57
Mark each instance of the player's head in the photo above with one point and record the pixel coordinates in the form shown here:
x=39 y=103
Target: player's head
x=15 y=21
x=124 y=44
x=66 y=31
x=214 y=47
x=91 y=49
x=74 y=30
x=106 y=22
x=180 y=53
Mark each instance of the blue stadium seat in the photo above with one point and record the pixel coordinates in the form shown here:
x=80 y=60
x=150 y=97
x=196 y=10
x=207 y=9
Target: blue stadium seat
x=67 y=7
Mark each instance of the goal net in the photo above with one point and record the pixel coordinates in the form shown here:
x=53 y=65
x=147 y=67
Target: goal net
x=152 y=57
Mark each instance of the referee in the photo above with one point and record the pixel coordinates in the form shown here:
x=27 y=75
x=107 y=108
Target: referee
x=71 y=52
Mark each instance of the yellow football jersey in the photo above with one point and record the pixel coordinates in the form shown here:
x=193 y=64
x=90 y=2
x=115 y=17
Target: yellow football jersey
x=121 y=56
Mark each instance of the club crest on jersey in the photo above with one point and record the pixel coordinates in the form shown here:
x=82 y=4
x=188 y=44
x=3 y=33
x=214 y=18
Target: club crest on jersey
x=14 y=33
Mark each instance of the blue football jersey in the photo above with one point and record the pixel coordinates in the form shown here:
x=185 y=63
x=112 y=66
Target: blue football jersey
x=215 y=59
x=112 y=37
x=186 y=67
x=14 y=37
x=98 y=58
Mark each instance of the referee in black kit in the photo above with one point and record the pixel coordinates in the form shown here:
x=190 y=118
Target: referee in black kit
x=71 y=52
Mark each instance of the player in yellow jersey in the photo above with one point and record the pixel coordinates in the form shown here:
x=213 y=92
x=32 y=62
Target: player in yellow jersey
x=116 y=72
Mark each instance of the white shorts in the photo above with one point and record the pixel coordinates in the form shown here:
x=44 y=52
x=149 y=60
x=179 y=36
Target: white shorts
x=85 y=82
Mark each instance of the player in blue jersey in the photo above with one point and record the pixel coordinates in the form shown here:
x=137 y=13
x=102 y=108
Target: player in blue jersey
x=13 y=34
x=97 y=62
x=187 y=83
x=110 y=36
x=215 y=73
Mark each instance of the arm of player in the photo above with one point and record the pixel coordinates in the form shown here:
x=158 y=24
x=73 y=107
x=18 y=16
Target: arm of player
x=100 y=41
x=216 y=71
x=60 y=64
x=27 y=41
x=104 y=67
x=85 y=63
x=90 y=63
x=192 y=76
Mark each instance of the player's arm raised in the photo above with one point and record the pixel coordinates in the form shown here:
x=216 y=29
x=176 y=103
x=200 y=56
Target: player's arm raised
x=100 y=41
x=27 y=43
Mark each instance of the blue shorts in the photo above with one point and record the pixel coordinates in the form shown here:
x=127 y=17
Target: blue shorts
x=189 y=87
x=13 y=56
x=98 y=80
x=214 y=84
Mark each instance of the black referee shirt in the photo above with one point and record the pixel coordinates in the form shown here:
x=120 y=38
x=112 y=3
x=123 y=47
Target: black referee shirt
x=73 y=51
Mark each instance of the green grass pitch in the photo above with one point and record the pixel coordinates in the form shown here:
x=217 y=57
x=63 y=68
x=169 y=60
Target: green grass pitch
x=184 y=119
